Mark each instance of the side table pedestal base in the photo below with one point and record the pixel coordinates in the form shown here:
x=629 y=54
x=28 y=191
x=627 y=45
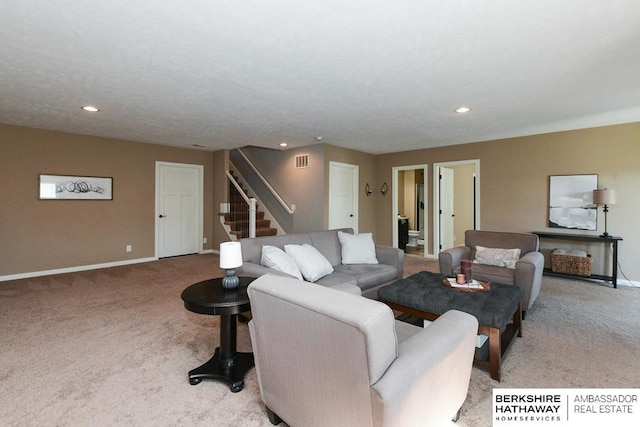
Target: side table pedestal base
x=230 y=371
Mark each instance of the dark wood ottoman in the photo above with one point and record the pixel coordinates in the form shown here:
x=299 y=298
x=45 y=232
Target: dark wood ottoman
x=498 y=310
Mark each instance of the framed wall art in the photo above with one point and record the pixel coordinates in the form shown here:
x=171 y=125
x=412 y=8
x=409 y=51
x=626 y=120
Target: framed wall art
x=571 y=202
x=67 y=187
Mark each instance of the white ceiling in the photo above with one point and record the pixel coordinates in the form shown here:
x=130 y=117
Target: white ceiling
x=372 y=75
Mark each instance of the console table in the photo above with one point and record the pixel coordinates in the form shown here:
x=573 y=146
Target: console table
x=609 y=240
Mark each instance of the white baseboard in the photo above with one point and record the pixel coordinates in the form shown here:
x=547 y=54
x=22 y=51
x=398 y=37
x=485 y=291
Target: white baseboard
x=74 y=269
x=628 y=283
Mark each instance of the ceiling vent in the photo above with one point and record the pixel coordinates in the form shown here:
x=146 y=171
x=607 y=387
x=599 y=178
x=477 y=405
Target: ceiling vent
x=302 y=161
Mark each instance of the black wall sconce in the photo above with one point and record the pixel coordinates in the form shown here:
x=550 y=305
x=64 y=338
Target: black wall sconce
x=367 y=190
x=384 y=189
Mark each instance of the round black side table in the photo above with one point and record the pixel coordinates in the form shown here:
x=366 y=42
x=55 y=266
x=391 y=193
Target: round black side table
x=209 y=297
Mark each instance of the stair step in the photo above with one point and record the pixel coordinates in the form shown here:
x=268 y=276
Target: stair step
x=259 y=232
x=266 y=232
x=239 y=225
x=238 y=215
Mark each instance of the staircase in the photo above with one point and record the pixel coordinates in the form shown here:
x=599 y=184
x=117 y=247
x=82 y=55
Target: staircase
x=238 y=216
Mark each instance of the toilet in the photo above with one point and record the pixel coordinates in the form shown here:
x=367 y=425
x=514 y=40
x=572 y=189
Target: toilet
x=414 y=235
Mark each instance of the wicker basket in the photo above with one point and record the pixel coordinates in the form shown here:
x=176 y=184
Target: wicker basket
x=571 y=262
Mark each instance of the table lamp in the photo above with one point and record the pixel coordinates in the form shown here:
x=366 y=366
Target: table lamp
x=230 y=259
x=605 y=197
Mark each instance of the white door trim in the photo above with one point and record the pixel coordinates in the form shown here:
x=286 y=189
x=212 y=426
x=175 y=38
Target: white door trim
x=199 y=169
x=436 y=197
x=394 y=204
x=446 y=211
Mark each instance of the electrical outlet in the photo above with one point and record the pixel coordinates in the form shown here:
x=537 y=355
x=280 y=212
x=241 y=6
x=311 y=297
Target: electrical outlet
x=128 y=248
x=204 y=240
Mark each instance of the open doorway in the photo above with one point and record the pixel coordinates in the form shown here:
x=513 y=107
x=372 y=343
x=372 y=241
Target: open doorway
x=409 y=208
x=456 y=206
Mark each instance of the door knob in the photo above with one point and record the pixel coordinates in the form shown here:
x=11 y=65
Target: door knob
x=351 y=215
x=162 y=216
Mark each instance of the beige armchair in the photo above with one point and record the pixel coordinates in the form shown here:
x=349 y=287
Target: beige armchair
x=329 y=358
x=527 y=272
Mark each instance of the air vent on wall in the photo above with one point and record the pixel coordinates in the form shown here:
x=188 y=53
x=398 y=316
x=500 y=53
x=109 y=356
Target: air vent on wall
x=302 y=161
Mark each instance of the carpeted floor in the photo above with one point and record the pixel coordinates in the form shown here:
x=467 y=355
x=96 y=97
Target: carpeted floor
x=113 y=347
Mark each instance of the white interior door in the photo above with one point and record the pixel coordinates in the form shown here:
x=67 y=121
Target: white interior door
x=465 y=188
x=343 y=200
x=179 y=211
x=446 y=209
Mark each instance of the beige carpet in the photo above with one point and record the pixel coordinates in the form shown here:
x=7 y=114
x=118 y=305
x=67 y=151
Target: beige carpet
x=113 y=347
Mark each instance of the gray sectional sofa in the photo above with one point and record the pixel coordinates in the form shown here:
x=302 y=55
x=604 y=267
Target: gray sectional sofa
x=364 y=279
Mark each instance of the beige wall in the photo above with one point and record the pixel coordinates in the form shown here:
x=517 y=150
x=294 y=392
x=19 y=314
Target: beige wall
x=514 y=180
x=39 y=235
x=513 y=183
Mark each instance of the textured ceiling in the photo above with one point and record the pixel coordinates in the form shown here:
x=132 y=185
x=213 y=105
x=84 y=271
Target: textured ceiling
x=377 y=75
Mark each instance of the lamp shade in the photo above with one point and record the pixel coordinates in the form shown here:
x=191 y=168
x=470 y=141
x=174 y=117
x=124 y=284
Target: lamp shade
x=230 y=255
x=604 y=197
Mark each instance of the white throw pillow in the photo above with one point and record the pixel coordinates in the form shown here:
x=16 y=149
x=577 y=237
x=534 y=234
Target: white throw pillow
x=497 y=256
x=357 y=248
x=277 y=259
x=312 y=264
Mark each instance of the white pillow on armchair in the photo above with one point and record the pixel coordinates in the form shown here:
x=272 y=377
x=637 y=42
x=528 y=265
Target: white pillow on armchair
x=497 y=256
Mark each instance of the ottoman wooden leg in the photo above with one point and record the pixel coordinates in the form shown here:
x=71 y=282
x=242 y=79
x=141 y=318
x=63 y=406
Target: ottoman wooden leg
x=518 y=317
x=495 y=353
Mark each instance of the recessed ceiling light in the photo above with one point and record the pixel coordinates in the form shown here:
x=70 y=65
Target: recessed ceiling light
x=319 y=138
x=463 y=110
x=283 y=144
x=90 y=109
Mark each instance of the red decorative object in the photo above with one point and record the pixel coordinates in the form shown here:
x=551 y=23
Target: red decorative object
x=466 y=269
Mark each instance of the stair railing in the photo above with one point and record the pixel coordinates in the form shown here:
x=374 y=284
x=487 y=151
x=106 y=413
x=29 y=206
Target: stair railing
x=289 y=210
x=251 y=203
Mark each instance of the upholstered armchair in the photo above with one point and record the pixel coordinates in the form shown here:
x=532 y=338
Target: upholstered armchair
x=495 y=265
x=330 y=358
